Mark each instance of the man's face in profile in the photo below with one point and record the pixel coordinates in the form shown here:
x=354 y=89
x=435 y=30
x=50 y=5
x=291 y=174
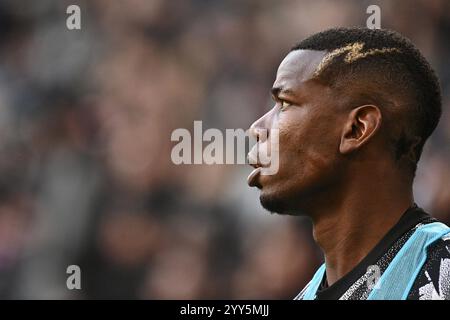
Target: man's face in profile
x=308 y=118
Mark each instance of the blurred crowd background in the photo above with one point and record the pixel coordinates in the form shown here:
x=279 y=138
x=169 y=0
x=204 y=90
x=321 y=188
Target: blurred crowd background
x=85 y=124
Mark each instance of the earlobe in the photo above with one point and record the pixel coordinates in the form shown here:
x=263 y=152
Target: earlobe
x=361 y=125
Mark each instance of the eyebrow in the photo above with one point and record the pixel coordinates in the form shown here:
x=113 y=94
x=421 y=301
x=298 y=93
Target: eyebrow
x=276 y=91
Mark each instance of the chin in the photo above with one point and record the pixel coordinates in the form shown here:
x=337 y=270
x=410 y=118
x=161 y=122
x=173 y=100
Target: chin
x=274 y=203
x=295 y=200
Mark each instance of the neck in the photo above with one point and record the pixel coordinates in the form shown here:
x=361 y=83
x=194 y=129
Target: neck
x=362 y=214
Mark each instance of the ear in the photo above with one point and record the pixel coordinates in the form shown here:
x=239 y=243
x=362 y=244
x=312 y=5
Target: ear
x=362 y=123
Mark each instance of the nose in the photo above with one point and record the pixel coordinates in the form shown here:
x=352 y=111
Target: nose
x=260 y=128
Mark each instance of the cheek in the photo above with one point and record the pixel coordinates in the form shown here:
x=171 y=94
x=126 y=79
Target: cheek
x=308 y=144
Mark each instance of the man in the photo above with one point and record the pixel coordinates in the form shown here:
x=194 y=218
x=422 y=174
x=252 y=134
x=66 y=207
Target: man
x=353 y=109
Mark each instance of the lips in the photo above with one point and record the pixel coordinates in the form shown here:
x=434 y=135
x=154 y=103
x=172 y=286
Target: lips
x=253 y=161
x=253 y=176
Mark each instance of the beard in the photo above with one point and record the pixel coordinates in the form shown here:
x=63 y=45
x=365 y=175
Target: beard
x=275 y=203
x=293 y=200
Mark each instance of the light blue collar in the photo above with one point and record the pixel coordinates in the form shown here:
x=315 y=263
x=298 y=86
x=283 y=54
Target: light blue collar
x=399 y=277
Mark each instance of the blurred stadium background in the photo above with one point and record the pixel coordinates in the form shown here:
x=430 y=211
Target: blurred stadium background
x=85 y=124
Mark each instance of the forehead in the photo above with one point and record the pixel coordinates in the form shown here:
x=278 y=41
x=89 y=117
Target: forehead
x=298 y=67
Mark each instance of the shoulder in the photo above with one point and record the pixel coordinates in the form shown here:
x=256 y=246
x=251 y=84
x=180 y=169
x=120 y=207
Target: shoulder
x=433 y=280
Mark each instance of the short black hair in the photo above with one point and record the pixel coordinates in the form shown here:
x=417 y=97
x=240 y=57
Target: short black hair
x=401 y=78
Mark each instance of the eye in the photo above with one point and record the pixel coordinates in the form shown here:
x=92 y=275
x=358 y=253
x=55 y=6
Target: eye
x=285 y=104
